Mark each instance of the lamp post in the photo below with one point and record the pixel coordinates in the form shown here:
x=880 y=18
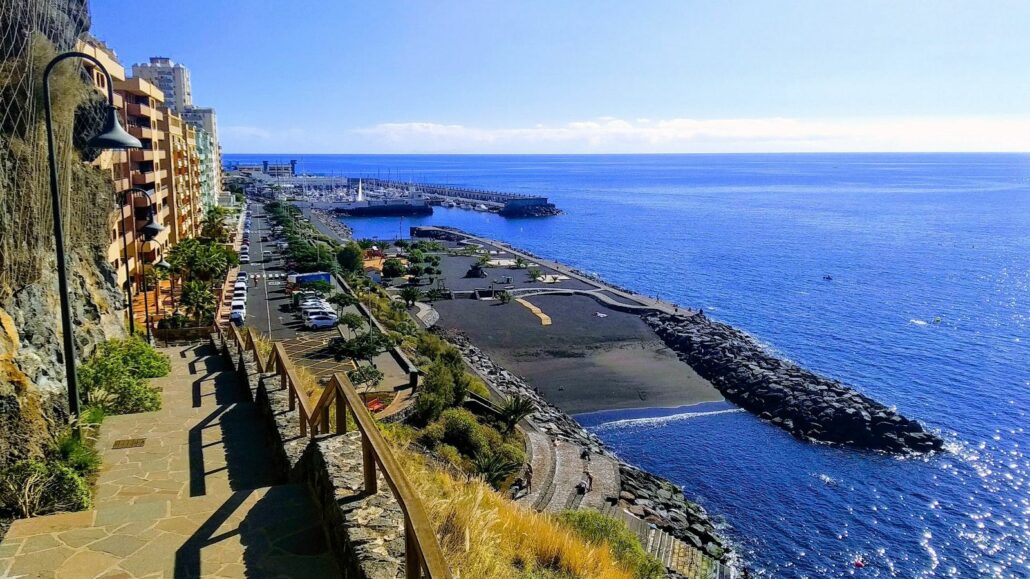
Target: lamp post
x=111 y=137
x=150 y=231
x=153 y=227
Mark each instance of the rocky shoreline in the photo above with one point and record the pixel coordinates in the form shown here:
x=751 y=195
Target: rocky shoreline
x=807 y=405
x=649 y=497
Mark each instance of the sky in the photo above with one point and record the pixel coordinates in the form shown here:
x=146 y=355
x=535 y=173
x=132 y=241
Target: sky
x=600 y=76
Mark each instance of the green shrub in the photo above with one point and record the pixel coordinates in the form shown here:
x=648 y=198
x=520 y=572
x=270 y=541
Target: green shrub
x=597 y=528
x=462 y=431
x=141 y=358
x=92 y=415
x=452 y=456
x=511 y=453
x=432 y=435
x=477 y=386
x=78 y=454
x=34 y=487
x=116 y=385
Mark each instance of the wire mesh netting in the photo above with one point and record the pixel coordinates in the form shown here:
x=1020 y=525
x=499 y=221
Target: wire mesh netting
x=31 y=32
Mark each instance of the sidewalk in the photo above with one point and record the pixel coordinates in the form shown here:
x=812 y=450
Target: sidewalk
x=191 y=496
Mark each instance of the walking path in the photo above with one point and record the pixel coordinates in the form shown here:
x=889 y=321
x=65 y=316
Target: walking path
x=192 y=496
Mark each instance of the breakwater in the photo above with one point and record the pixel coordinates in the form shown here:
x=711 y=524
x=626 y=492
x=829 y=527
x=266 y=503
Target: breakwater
x=506 y=204
x=801 y=402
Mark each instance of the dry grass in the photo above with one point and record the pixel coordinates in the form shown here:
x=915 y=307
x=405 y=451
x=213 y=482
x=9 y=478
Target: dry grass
x=483 y=534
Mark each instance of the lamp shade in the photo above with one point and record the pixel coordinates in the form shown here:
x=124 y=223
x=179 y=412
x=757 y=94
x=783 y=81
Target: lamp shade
x=151 y=229
x=114 y=136
x=163 y=264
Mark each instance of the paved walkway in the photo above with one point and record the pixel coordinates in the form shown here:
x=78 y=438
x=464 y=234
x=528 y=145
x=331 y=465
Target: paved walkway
x=195 y=498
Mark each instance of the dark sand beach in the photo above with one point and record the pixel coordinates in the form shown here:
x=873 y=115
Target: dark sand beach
x=582 y=362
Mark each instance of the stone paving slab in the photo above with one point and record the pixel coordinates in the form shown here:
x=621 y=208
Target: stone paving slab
x=198 y=499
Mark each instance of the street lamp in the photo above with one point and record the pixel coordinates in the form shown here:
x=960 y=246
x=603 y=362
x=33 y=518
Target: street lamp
x=150 y=231
x=149 y=227
x=113 y=136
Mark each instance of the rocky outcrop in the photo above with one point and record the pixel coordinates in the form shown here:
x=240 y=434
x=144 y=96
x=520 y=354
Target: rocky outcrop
x=802 y=402
x=649 y=497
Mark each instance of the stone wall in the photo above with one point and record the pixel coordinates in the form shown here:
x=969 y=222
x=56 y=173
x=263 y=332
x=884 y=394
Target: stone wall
x=366 y=532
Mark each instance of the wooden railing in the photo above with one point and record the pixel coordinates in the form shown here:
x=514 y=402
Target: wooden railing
x=422 y=554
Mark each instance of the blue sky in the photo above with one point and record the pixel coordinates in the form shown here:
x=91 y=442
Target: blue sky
x=600 y=76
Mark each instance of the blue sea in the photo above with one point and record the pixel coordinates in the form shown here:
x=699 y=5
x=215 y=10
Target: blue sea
x=928 y=310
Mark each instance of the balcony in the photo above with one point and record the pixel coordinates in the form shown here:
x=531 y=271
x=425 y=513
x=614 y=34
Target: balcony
x=139 y=155
x=141 y=132
x=144 y=178
x=140 y=110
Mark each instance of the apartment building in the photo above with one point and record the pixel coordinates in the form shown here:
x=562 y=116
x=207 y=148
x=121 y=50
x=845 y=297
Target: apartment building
x=205 y=118
x=172 y=78
x=181 y=163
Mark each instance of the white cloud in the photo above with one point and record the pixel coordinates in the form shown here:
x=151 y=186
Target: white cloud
x=773 y=134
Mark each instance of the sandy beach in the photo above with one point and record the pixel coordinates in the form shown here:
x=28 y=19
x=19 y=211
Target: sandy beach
x=582 y=362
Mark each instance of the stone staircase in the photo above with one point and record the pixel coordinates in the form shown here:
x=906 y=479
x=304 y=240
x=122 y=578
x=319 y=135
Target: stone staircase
x=676 y=555
x=187 y=491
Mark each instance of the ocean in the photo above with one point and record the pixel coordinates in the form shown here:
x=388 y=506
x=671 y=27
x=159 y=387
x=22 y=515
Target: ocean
x=928 y=310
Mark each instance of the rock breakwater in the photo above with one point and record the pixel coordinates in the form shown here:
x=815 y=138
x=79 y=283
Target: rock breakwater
x=805 y=404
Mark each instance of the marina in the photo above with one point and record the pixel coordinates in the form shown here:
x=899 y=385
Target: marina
x=360 y=196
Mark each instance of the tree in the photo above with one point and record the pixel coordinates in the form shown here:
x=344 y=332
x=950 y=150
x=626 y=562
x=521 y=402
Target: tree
x=393 y=268
x=514 y=409
x=351 y=257
x=361 y=347
x=367 y=376
x=535 y=274
x=504 y=297
x=410 y=295
x=352 y=321
x=342 y=300
x=520 y=263
x=212 y=226
x=198 y=300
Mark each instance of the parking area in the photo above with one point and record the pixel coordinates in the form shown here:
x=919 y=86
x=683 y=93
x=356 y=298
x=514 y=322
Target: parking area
x=270 y=311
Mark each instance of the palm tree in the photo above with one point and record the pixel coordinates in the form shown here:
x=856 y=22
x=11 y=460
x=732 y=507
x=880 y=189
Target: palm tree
x=494 y=468
x=520 y=263
x=535 y=274
x=198 y=300
x=514 y=409
x=410 y=295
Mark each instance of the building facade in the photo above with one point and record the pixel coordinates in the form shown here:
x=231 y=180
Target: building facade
x=205 y=118
x=171 y=167
x=172 y=78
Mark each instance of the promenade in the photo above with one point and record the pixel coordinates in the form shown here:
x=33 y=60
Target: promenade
x=186 y=491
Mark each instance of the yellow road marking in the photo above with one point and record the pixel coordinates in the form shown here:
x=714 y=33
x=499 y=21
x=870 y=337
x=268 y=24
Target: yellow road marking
x=545 y=320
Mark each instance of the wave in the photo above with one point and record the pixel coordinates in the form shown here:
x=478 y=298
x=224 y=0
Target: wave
x=658 y=420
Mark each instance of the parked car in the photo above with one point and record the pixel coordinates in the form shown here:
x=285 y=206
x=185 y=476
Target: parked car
x=238 y=312
x=238 y=294
x=244 y=258
x=305 y=314
x=321 y=322
x=242 y=276
x=240 y=285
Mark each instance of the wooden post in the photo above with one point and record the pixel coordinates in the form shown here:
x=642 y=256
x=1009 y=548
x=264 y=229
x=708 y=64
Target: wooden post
x=368 y=461
x=303 y=423
x=341 y=410
x=412 y=558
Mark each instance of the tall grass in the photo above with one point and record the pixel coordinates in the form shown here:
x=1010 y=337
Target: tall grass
x=483 y=534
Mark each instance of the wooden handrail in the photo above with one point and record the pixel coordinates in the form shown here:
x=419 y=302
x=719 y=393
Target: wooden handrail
x=422 y=550
x=423 y=556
